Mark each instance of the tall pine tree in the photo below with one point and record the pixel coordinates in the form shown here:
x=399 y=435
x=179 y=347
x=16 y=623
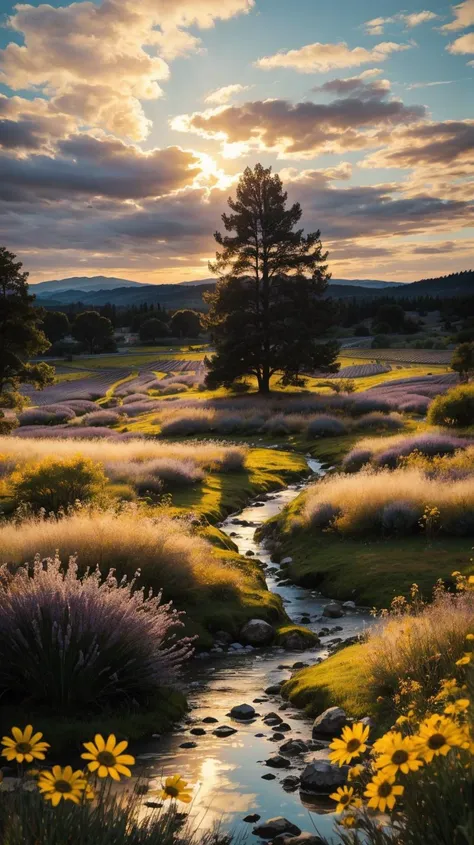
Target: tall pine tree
x=267 y=314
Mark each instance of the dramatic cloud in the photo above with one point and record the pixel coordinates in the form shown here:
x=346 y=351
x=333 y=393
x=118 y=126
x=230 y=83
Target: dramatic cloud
x=222 y=95
x=304 y=130
x=88 y=167
x=323 y=57
x=98 y=62
x=463 y=17
x=376 y=26
x=449 y=144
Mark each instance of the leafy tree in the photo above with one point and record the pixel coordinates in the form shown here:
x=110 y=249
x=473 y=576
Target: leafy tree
x=392 y=315
x=92 y=329
x=55 y=325
x=20 y=335
x=462 y=361
x=185 y=323
x=152 y=330
x=267 y=314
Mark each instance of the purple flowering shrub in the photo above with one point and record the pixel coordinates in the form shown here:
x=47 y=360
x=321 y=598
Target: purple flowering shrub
x=69 y=641
x=99 y=418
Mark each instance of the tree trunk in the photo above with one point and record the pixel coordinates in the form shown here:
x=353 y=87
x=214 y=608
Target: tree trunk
x=264 y=383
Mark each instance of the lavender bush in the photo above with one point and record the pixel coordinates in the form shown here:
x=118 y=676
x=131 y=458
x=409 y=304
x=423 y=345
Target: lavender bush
x=35 y=416
x=324 y=514
x=427 y=444
x=325 y=426
x=69 y=642
x=152 y=476
x=101 y=418
x=377 y=420
x=356 y=459
x=68 y=432
x=400 y=517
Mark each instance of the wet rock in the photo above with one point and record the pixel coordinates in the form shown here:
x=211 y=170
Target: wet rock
x=275 y=827
x=300 y=665
x=242 y=712
x=333 y=610
x=209 y=720
x=269 y=777
x=236 y=647
x=297 y=641
x=197 y=731
x=284 y=727
x=260 y=700
x=278 y=762
x=349 y=605
x=274 y=689
x=223 y=637
x=257 y=632
x=303 y=839
x=330 y=723
x=286 y=561
x=272 y=715
x=290 y=783
x=322 y=776
x=252 y=819
x=277 y=737
x=224 y=730
x=259 y=735
x=188 y=745
x=249 y=553
x=293 y=747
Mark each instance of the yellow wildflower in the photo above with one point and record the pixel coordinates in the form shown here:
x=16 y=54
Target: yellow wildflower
x=397 y=754
x=382 y=792
x=470 y=637
x=175 y=787
x=24 y=746
x=352 y=743
x=107 y=757
x=437 y=735
x=62 y=784
x=457 y=707
x=345 y=797
x=354 y=772
x=465 y=659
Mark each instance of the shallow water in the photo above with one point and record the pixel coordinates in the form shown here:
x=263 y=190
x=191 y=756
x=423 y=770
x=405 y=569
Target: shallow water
x=227 y=773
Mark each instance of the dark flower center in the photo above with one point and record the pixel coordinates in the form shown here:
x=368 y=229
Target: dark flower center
x=105 y=758
x=353 y=745
x=399 y=757
x=171 y=791
x=23 y=747
x=62 y=786
x=436 y=741
x=344 y=799
x=385 y=789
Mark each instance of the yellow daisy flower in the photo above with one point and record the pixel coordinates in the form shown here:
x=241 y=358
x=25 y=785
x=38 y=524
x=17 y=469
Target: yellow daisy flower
x=345 y=797
x=24 y=746
x=107 y=757
x=457 y=707
x=382 y=792
x=397 y=754
x=437 y=735
x=62 y=784
x=352 y=743
x=470 y=637
x=448 y=687
x=465 y=659
x=348 y=821
x=175 y=787
x=354 y=772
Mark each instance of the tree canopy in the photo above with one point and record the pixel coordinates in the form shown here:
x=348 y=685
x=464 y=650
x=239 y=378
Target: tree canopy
x=93 y=330
x=267 y=314
x=55 y=325
x=185 y=323
x=20 y=334
x=462 y=361
x=152 y=330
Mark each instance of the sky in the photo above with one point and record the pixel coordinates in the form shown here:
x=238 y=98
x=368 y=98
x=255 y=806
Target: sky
x=124 y=126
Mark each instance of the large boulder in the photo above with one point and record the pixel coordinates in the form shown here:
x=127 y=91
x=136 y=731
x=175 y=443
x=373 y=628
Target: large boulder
x=292 y=747
x=322 y=776
x=333 y=610
x=298 y=640
x=278 y=762
x=257 y=632
x=330 y=723
x=275 y=827
x=243 y=712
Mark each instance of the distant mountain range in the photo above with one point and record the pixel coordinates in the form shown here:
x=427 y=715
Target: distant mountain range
x=94 y=291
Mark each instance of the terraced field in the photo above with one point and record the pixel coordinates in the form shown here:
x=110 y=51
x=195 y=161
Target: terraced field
x=405 y=356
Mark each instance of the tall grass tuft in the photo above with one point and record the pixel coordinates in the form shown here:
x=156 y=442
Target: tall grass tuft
x=68 y=641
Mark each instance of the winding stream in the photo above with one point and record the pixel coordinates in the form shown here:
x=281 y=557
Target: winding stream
x=227 y=772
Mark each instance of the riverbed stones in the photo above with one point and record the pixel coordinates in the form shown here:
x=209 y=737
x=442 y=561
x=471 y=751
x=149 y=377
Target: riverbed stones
x=209 y=720
x=242 y=712
x=349 y=605
x=278 y=762
x=290 y=783
x=269 y=776
x=224 y=731
x=330 y=722
x=197 y=731
x=257 y=632
x=333 y=610
x=304 y=838
x=274 y=689
x=297 y=641
x=252 y=818
x=286 y=561
x=188 y=745
x=274 y=827
x=293 y=747
x=322 y=776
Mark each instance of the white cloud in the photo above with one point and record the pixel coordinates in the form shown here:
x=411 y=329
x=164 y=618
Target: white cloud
x=429 y=84
x=98 y=62
x=463 y=17
x=416 y=18
x=324 y=57
x=376 y=26
x=462 y=45
x=221 y=96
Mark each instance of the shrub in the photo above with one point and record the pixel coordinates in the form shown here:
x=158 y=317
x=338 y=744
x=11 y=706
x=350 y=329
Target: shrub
x=365 y=404
x=326 y=427
x=65 y=433
x=324 y=515
x=101 y=418
x=70 y=641
x=54 y=484
x=174 y=387
x=152 y=476
x=379 y=420
x=276 y=426
x=356 y=459
x=400 y=517
x=135 y=397
x=454 y=408
x=196 y=422
x=81 y=406
x=35 y=416
x=62 y=413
